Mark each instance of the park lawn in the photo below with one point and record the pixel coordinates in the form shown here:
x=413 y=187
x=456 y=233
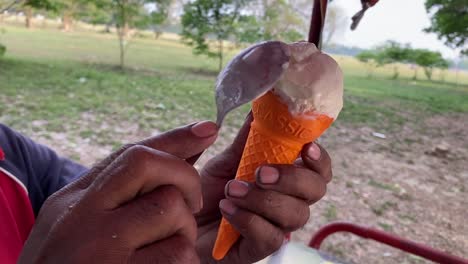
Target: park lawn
x=56 y=76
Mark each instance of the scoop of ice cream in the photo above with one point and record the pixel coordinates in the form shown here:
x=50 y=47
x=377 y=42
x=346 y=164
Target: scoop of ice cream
x=313 y=82
x=250 y=74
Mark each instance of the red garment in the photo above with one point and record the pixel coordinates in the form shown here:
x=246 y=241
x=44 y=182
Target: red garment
x=16 y=217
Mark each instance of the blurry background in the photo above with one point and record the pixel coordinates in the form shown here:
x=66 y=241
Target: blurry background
x=86 y=76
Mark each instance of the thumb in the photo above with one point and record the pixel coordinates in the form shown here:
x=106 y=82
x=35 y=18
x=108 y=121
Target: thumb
x=183 y=142
x=225 y=164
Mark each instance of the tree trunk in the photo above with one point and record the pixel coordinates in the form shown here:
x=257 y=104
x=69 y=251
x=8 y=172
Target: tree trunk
x=126 y=30
x=122 y=29
x=395 y=72
x=157 y=34
x=121 y=33
x=428 y=72
x=415 y=76
x=220 y=54
x=108 y=27
x=66 y=21
x=28 y=14
x=457 y=72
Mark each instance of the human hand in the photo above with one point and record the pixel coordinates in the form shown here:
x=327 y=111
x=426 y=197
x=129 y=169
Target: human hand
x=263 y=211
x=136 y=206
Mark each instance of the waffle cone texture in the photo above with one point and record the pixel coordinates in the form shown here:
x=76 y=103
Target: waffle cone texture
x=275 y=137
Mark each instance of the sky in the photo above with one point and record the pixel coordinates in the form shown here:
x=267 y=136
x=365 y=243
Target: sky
x=399 y=20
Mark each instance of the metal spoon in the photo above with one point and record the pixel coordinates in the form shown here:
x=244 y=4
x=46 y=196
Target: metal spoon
x=250 y=74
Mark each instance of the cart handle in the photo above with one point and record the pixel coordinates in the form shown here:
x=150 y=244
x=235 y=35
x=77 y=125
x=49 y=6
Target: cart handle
x=385 y=238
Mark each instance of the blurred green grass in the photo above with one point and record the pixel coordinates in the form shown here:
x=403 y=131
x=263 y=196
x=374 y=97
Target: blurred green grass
x=56 y=76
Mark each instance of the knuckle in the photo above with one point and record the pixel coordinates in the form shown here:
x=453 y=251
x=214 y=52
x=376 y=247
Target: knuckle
x=170 y=197
x=191 y=173
x=126 y=146
x=146 y=209
x=139 y=153
x=271 y=200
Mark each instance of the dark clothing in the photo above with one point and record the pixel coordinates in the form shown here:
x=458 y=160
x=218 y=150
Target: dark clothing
x=29 y=174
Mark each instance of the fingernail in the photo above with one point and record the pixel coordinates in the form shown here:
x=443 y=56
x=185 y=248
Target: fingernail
x=238 y=189
x=314 y=152
x=204 y=129
x=268 y=175
x=227 y=207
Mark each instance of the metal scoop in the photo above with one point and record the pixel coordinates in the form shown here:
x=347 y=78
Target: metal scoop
x=250 y=74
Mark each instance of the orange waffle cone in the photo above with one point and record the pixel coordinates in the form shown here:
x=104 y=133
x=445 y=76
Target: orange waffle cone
x=275 y=137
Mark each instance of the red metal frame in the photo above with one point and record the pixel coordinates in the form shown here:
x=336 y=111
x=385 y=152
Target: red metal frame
x=385 y=238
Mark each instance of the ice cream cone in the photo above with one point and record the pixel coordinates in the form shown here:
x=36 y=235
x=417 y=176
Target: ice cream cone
x=275 y=137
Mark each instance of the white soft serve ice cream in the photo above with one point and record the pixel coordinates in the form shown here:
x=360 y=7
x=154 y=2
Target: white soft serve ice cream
x=313 y=82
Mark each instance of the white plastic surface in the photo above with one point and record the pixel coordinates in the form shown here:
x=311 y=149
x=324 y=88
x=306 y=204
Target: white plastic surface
x=295 y=253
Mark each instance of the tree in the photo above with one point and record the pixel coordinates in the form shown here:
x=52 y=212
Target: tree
x=393 y=53
x=26 y=7
x=133 y=14
x=7 y=5
x=249 y=29
x=68 y=10
x=335 y=23
x=214 y=19
x=449 y=21
x=428 y=60
x=28 y=13
x=38 y=4
x=280 y=21
x=95 y=14
x=159 y=17
x=370 y=59
x=128 y=14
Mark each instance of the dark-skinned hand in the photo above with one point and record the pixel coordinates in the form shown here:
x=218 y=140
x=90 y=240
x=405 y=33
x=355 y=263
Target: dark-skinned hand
x=262 y=211
x=136 y=206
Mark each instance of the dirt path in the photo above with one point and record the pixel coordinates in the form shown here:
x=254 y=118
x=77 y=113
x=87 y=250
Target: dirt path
x=413 y=183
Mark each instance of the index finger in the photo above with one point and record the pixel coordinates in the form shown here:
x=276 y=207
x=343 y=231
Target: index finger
x=140 y=170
